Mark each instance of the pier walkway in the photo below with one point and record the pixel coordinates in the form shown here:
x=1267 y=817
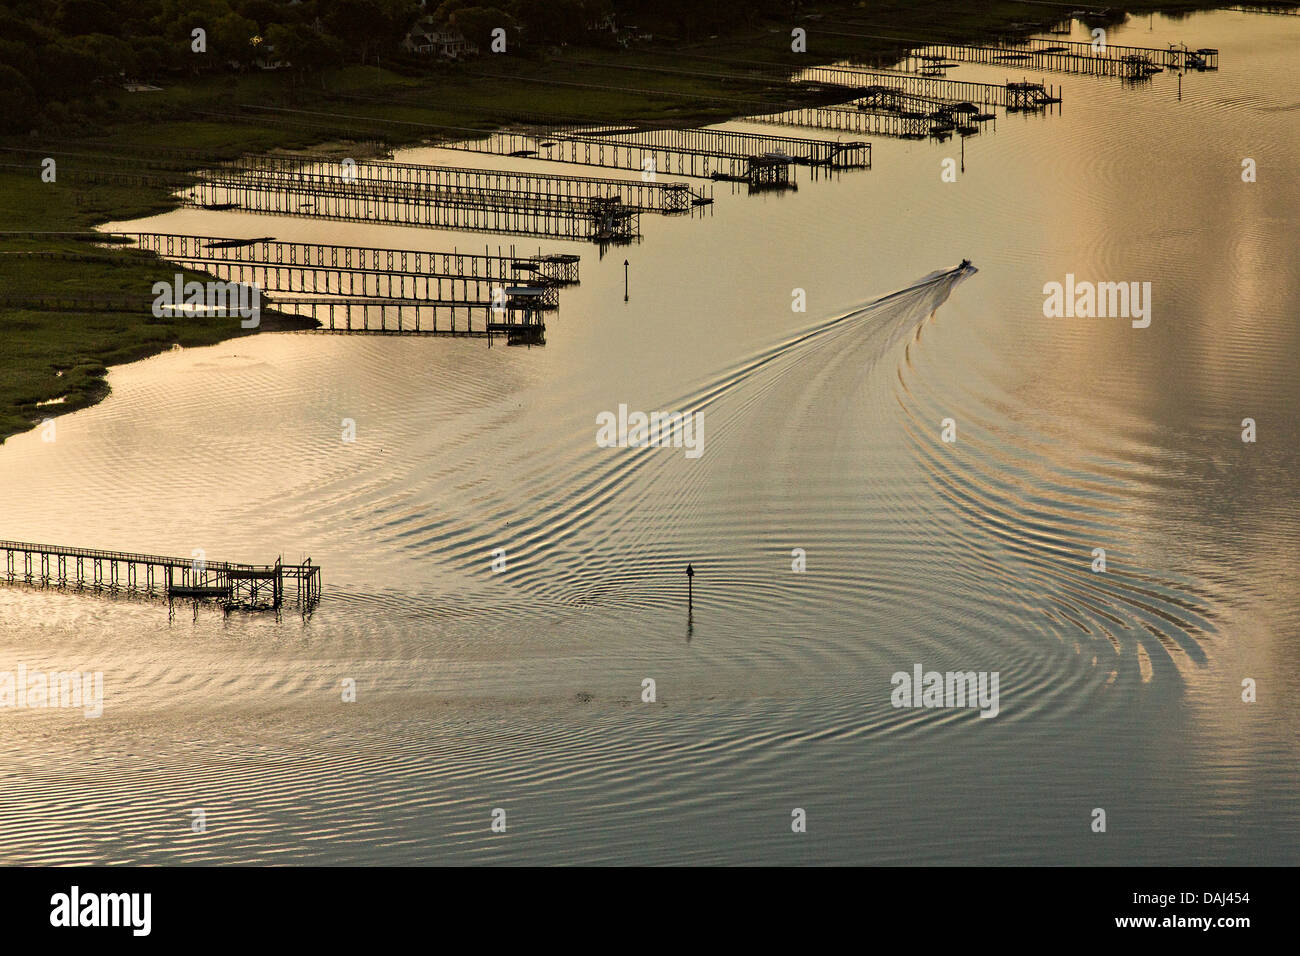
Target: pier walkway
x=558 y=269
x=243 y=587
x=1008 y=95
x=263 y=263
x=646 y=197
x=595 y=219
x=1070 y=56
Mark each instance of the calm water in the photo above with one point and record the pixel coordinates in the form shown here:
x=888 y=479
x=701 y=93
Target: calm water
x=522 y=690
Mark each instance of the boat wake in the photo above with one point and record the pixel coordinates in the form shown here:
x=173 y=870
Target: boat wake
x=600 y=527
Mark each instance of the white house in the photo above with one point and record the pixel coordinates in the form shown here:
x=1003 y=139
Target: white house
x=427 y=37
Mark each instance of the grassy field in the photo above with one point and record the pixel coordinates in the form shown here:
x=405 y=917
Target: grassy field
x=47 y=355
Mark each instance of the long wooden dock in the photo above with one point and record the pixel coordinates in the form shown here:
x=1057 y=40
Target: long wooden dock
x=673 y=153
x=601 y=219
x=756 y=158
x=242 y=587
x=555 y=269
x=645 y=197
x=842 y=119
x=1061 y=56
x=362 y=283
x=596 y=220
x=262 y=263
x=366 y=291
x=613 y=153
x=728 y=144
x=1279 y=9
x=1070 y=56
x=447 y=181
x=884 y=111
x=1009 y=95
x=517 y=315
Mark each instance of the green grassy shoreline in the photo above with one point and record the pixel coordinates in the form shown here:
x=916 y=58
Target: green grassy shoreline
x=47 y=356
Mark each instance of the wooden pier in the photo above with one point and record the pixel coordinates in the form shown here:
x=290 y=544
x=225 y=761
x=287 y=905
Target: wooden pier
x=727 y=144
x=598 y=218
x=893 y=100
x=604 y=220
x=889 y=112
x=693 y=152
x=846 y=119
x=557 y=269
x=1070 y=56
x=1008 y=95
x=261 y=263
x=665 y=198
x=368 y=290
x=715 y=154
x=646 y=197
x=1280 y=9
x=236 y=587
x=581 y=150
x=501 y=294
x=518 y=311
x=1062 y=56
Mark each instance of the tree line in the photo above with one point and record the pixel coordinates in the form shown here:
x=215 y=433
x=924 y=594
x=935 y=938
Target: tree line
x=56 y=54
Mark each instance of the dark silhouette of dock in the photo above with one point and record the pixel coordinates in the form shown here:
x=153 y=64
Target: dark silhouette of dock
x=322 y=270
x=236 y=587
x=361 y=289
x=1070 y=56
x=884 y=111
x=557 y=269
x=1009 y=95
x=646 y=197
x=345 y=289
x=597 y=218
x=1278 y=9
x=518 y=317
x=439 y=180
x=1052 y=55
x=696 y=152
